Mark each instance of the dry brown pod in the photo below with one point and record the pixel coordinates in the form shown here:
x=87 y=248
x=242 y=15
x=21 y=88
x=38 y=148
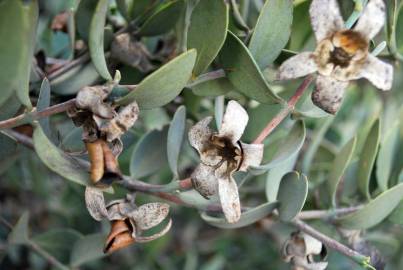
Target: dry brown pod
x=96 y=156
x=104 y=165
x=119 y=236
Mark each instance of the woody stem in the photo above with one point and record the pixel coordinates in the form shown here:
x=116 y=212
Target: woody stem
x=288 y=108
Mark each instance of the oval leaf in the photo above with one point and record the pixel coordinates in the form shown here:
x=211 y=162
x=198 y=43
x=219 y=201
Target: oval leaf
x=375 y=211
x=207 y=31
x=18 y=20
x=163 y=20
x=367 y=158
x=58 y=161
x=386 y=156
x=149 y=155
x=58 y=242
x=175 y=138
x=272 y=31
x=19 y=234
x=243 y=72
x=88 y=248
x=213 y=88
x=293 y=143
x=96 y=39
x=247 y=218
x=43 y=103
x=274 y=176
x=163 y=85
x=339 y=166
x=292 y=195
x=73 y=80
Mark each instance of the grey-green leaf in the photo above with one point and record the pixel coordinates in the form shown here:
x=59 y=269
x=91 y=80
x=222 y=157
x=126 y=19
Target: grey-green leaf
x=375 y=211
x=19 y=234
x=163 y=20
x=18 y=20
x=249 y=217
x=150 y=154
x=272 y=31
x=96 y=39
x=83 y=16
x=73 y=80
x=213 y=88
x=207 y=31
x=175 y=138
x=292 y=144
x=58 y=161
x=292 y=195
x=88 y=248
x=163 y=85
x=367 y=158
x=43 y=103
x=386 y=156
x=243 y=72
x=58 y=242
x=274 y=176
x=339 y=166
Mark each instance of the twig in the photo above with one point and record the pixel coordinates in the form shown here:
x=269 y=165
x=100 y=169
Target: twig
x=289 y=107
x=34 y=115
x=78 y=61
x=49 y=258
x=6 y=223
x=326 y=214
x=331 y=243
x=35 y=247
x=20 y=138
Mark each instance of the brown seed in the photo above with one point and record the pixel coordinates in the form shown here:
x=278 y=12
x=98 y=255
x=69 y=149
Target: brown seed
x=119 y=237
x=96 y=156
x=110 y=161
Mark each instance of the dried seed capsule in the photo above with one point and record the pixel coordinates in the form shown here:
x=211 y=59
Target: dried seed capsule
x=119 y=237
x=91 y=98
x=111 y=164
x=95 y=153
x=125 y=119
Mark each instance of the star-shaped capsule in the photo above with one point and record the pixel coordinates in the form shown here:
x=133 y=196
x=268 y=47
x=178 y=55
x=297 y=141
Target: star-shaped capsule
x=341 y=54
x=221 y=154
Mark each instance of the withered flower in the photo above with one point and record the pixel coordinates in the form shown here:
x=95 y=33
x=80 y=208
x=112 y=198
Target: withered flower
x=300 y=250
x=102 y=128
x=131 y=52
x=222 y=154
x=128 y=222
x=341 y=54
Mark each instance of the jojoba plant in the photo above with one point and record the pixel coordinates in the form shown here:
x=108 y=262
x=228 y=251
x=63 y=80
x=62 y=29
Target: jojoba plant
x=116 y=116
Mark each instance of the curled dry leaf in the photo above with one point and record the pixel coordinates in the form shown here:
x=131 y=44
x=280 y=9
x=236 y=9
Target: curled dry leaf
x=300 y=250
